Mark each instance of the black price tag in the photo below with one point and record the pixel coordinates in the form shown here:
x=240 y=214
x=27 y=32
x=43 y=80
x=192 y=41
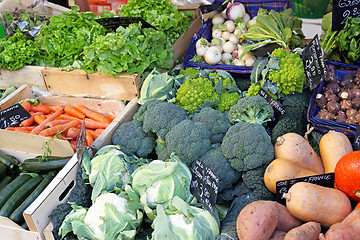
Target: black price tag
x=204 y=185
x=325 y=180
x=272 y=102
x=342 y=10
x=115 y=22
x=356 y=143
x=13 y=115
x=314 y=65
x=80 y=142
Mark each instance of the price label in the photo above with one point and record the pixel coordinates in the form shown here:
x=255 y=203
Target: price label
x=13 y=115
x=204 y=185
x=80 y=142
x=272 y=102
x=325 y=180
x=314 y=65
x=342 y=9
x=356 y=143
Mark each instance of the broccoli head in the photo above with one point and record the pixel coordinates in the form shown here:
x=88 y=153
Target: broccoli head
x=139 y=115
x=253 y=109
x=162 y=117
x=189 y=140
x=221 y=167
x=216 y=122
x=247 y=146
x=133 y=140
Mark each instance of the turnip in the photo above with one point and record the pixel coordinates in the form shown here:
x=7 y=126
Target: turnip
x=233 y=39
x=235 y=54
x=247 y=55
x=251 y=22
x=228 y=47
x=213 y=55
x=230 y=26
x=201 y=41
x=226 y=56
x=238 y=62
x=218 y=19
x=235 y=11
x=246 y=18
x=250 y=62
x=217 y=41
x=201 y=50
x=216 y=33
x=226 y=35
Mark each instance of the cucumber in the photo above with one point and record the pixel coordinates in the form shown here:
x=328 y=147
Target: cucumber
x=46 y=166
x=5 y=181
x=8 y=160
x=3 y=170
x=7 y=191
x=19 y=196
x=16 y=215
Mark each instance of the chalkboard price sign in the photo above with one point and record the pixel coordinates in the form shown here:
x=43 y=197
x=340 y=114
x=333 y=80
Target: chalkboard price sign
x=314 y=65
x=204 y=185
x=12 y=116
x=342 y=9
x=325 y=180
x=272 y=102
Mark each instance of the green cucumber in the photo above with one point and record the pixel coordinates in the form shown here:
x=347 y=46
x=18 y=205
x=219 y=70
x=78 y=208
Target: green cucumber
x=17 y=215
x=46 y=166
x=3 y=170
x=8 y=160
x=5 y=181
x=7 y=191
x=19 y=196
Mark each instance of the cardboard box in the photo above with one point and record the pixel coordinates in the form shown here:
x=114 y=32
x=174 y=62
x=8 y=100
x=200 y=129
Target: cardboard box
x=32 y=144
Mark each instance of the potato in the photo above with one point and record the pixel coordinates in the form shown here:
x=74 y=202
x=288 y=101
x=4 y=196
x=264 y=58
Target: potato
x=333 y=145
x=310 y=202
x=348 y=229
x=257 y=220
x=282 y=169
x=293 y=147
x=307 y=231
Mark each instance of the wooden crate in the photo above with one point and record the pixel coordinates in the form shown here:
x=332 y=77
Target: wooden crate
x=27 y=143
x=26 y=75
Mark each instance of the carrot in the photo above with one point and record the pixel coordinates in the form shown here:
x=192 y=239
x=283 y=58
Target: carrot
x=92 y=114
x=66 y=116
x=92 y=124
x=99 y=130
x=39 y=118
x=53 y=130
x=73 y=112
x=54 y=108
x=112 y=115
x=94 y=134
x=57 y=122
x=26 y=105
x=27 y=122
x=40 y=108
x=73 y=144
x=88 y=139
x=19 y=129
x=41 y=126
x=72 y=133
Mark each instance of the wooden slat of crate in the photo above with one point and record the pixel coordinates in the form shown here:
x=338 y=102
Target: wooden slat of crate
x=79 y=83
x=11 y=231
x=26 y=75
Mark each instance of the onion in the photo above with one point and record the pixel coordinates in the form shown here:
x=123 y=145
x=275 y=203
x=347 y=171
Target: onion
x=235 y=10
x=213 y=55
x=216 y=33
x=230 y=26
x=218 y=19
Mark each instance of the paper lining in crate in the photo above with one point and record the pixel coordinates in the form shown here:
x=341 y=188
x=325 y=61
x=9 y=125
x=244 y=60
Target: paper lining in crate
x=324 y=125
x=251 y=7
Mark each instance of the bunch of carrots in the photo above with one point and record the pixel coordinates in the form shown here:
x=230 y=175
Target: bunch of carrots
x=48 y=121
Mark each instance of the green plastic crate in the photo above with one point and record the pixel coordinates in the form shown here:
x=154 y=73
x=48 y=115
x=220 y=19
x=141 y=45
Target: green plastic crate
x=310 y=8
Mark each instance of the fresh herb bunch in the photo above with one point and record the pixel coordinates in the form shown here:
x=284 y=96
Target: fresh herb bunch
x=132 y=50
x=161 y=14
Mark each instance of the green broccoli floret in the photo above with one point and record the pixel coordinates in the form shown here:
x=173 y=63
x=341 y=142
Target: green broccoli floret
x=247 y=146
x=291 y=75
x=216 y=122
x=189 y=140
x=215 y=160
x=253 y=109
x=133 y=140
x=162 y=117
x=139 y=115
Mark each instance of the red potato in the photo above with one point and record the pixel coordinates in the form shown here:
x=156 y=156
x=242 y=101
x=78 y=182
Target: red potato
x=278 y=235
x=348 y=229
x=307 y=231
x=286 y=221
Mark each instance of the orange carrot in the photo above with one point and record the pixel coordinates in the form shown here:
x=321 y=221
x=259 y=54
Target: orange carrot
x=99 y=130
x=92 y=114
x=57 y=122
x=41 y=126
x=20 y=128
x=73 y=112
x=39 y=118
x=89 y=139
x=112 y=115
x=26 y=105
x=73 y=144
x=72 y=133
x=92 y=132
x=27 y=122
x=53 y=130
x=66 y=116
x=40 y=108
x=55 y=108
x=92 y=124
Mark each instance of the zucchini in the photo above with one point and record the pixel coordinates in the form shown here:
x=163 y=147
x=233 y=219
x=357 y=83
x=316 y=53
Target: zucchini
x=3 y=170
x=19 y=196
x=17 y=215
x=46 y=166
x=8 y=160
x=7 y=191
x=51 y=158
x=5 y=181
